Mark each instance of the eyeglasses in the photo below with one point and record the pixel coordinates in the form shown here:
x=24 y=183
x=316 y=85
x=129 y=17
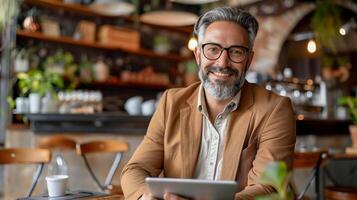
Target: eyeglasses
x=213 y=51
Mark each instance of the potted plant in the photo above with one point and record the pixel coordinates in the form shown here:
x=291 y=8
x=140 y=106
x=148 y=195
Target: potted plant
x=62 y=63
x=35 y=84
x=351 y=103
x=161 y=44
x=276 y=174
x=326 y=23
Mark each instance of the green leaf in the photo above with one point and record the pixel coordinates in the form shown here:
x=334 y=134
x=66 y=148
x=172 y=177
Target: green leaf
x=273 y=196
x=326 y=22
x=274 y=174
x=11 y=102
x=351 y=104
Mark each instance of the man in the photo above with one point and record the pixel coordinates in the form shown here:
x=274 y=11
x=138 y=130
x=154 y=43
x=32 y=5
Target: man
x=222 y=128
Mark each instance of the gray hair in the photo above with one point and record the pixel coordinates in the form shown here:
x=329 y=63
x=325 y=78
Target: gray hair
x=237 y=15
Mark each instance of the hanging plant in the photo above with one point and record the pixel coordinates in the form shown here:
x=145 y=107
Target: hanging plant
x=326 y=23
x=8 y=12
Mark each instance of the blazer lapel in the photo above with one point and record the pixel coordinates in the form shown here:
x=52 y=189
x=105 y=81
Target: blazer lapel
x=236 y=133
x=191 y=128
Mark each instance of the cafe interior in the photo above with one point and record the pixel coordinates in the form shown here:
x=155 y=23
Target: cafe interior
x=80 y=80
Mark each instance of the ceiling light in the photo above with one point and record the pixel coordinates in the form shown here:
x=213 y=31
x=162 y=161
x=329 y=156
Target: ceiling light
x=311 y=46
x=345 y=28
x=192 y=43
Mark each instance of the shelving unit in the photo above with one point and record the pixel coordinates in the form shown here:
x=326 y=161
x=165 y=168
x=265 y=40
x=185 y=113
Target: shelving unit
x=96 y=45
x=85 y=10
x=135 y=61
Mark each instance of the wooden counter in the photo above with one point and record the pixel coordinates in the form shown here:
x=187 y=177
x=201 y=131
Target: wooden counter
x=88 y=123
x=121 y=122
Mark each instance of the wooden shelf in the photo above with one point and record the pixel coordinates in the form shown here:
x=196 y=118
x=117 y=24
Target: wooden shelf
x=70 y=41
x=85 y=10
x=76 y=8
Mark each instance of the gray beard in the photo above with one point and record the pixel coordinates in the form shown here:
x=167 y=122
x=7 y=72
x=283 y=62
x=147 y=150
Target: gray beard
x=221 y=90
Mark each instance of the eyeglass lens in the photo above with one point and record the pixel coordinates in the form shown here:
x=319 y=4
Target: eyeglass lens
x=213 y=51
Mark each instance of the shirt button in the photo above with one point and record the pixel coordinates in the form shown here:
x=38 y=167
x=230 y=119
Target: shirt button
x=211 y=163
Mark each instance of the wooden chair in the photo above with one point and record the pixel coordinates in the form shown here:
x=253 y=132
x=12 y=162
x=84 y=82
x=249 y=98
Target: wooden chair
x=309 y=160
x=104 y=146
x=57 y=142
x=337 y=193
x=26 y=156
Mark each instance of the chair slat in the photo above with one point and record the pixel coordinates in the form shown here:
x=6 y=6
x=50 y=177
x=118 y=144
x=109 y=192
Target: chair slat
x=57 y=142
x=24 y=155
x=102 y=146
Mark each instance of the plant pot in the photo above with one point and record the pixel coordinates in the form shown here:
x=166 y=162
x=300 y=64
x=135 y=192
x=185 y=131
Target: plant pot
x=34 y=102
x=353 y=133
x=48 y=104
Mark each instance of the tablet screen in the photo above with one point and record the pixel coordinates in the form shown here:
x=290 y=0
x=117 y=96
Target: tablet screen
x=192 y=188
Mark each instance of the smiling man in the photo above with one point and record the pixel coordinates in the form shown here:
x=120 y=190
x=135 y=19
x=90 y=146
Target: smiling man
x=221 y=128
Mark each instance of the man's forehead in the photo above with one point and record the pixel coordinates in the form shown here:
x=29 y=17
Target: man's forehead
x=226 y=32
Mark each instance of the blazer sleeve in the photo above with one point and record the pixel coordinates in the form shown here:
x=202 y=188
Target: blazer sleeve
x=276 y=142
x=147 y=160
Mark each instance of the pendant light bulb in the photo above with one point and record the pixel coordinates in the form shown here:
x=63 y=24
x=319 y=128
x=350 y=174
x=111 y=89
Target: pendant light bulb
x=311 y=46
x=192 y=43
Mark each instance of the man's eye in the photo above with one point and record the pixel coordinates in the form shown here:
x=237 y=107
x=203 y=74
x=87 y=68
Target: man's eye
x=213 y=49
x=236 y=52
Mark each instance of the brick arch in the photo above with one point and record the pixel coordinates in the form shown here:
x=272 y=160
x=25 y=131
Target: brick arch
x=274 y=31
x=272 y=34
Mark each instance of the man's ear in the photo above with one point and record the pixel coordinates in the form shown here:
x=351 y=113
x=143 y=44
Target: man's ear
x=197 y=53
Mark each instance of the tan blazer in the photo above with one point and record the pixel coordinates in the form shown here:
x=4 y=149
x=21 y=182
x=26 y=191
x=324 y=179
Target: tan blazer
x=261 y=130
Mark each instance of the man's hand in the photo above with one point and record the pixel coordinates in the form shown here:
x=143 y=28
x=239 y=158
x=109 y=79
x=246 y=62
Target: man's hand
x=169 y=196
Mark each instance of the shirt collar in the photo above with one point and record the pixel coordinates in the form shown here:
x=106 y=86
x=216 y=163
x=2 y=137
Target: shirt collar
x=201 y=105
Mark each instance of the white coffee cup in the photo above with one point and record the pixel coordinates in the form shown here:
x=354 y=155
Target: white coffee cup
x=57 y=185
x=148 y=107
x=133 y=105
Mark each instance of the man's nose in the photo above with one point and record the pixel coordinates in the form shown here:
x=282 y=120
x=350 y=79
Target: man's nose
x=223 y=60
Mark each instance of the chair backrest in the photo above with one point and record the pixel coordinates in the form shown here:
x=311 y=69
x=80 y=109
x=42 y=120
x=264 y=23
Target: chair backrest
x=307 y=159
x=337 y=193
x=310 y=160
x=57 y=142
x=26 y=156
x=103 y=146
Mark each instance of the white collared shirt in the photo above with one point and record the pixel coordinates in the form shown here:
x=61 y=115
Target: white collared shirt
x=210 y=159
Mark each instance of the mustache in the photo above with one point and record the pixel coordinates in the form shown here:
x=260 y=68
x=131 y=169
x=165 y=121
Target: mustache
x=225 y=70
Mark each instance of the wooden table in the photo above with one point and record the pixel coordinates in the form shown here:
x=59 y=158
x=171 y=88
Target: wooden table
x=108 y=197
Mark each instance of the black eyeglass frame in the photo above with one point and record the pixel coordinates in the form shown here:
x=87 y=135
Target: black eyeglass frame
x=246 y=51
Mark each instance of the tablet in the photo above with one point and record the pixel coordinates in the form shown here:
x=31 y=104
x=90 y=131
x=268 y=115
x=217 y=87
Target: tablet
x=192 y=188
